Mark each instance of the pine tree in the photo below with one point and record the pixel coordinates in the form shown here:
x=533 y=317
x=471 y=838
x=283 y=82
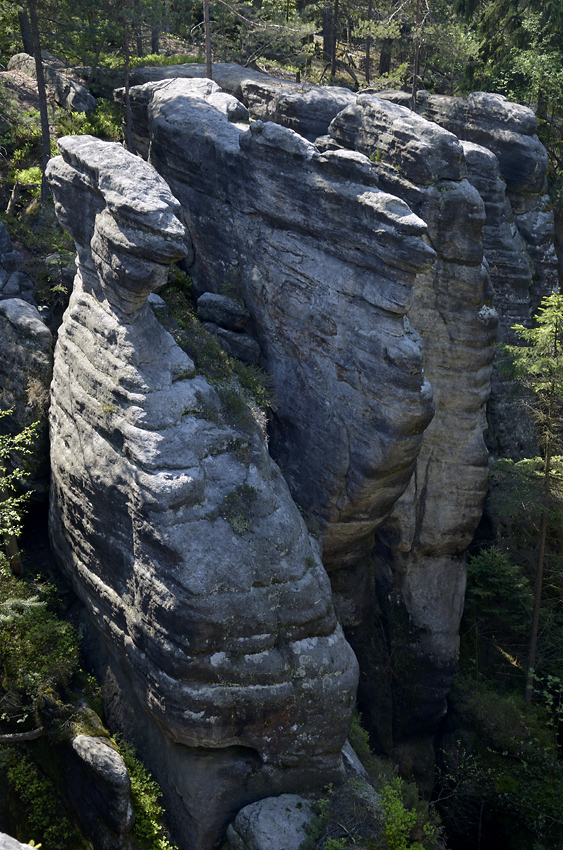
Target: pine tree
x=538 y=365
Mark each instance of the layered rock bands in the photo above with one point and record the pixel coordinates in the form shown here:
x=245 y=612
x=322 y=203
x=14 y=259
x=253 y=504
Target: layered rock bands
x=222 y=652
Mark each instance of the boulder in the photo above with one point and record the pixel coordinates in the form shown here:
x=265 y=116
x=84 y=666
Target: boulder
x=222 y=311
x=276 y=823
x=218 y=644
x=67 y=92
x=99 y=789
x=9 y=843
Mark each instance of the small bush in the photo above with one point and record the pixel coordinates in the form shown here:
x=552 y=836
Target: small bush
x=145 y=795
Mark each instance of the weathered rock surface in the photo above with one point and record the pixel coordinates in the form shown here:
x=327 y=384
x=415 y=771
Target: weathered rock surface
x=325 y=263
x=276 y=823
x=419 y=572
x=67 y=92
x=178 y=530
x=302 y=107
x=9 y=843
x=26 y=362
x=519 y=231
x=99 y=788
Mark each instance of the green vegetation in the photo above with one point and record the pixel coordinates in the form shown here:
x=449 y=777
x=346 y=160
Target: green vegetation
x=244 y=390
x=145 y=794
x=382 y=812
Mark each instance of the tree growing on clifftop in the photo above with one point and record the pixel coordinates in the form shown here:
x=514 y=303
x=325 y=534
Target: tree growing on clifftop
x=539 y=366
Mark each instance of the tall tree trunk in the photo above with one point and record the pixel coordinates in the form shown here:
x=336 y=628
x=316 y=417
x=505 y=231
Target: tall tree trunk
x=368 y=44
x=207 y=28
x=333 y=44
x=25 y=30
x=539 y=578
x=327 y=31
x=139 y=33
x=416 y=56
x=42 y=94
x=128 y=121
x=155 y=39
x=385 y=56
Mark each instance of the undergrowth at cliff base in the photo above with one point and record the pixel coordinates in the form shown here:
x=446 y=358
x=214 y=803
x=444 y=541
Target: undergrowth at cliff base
x=380 y=811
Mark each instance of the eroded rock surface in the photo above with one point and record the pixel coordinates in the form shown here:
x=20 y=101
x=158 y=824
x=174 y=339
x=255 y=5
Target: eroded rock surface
x=67 y=93
x=178 y=530
x=419 y=570
x=325 y=263
x=507 y=164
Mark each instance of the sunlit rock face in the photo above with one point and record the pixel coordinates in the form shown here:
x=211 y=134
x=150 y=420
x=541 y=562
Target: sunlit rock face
x=294 y=228
x=218 y=642
x=326 y=264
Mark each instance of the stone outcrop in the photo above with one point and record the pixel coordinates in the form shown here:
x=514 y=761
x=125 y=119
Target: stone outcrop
x=67 y=93
x=26 y=362
x=325 y=263
x=507 y=164
x=219 y=645
x=416 y=595
x=276 y=823
x=419 y=550
x=9 y=843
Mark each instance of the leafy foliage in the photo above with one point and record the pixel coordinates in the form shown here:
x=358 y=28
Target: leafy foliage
x=145 y=795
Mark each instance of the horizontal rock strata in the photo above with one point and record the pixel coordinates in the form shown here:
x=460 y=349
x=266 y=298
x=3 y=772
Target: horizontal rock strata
x=177 y=529
x=325 y=263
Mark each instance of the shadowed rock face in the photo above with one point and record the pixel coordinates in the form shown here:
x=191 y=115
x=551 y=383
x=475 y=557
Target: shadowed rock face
x=507 y=164
x=326 y=264
x=178 y=530
x=419 y=571
x=402 y=606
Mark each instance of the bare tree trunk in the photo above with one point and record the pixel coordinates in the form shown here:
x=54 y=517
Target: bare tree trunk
x=416 y=56
x=128 y=122
x=42 y=94
x=539 y=579
x=333 y=44
x=25 y=30
x=368 y=44
x=385 y=56
x=327 y=31
x=155 y=40
x=207 y=28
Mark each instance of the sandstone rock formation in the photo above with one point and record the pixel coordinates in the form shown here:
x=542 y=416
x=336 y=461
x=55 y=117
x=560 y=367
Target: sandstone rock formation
x=419 y=572
x=301 y=312
x=67 y=92
x=222 y=653
x=26 y=361
x=326 y=264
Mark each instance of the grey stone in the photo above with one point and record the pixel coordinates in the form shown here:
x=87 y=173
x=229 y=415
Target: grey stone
x=67 y=93
x=195 y=564
x=352 y=763
x=99 y=789
x=11 y=260
x=276 y=823
x=25 y=374
x=302 y=107
x=9 y=843
x=239 y=345
x=326 y=267
x=223 y=311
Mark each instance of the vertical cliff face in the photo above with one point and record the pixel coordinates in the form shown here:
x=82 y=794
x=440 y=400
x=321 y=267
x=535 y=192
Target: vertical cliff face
x=287 y=211
x=418 y=558
x=219 y=645
x=326 y=264
x=507 y=164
